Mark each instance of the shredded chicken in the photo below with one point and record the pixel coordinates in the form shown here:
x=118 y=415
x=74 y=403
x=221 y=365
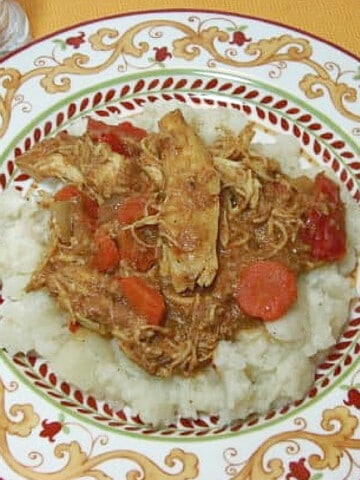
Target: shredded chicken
x=190 y=211
x=55 y=157
x=195 y=216
x=80 y=161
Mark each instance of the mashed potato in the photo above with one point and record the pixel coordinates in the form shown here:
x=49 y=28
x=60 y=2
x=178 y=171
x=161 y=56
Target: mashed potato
x=260 y=370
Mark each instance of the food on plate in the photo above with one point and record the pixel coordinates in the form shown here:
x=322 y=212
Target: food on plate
x=186 y=254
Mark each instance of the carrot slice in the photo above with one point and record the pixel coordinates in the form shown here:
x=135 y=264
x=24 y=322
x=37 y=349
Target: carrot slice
x=106 y=255
x=90 y=206
x=131 y=210
x=266 y=289
x=140 y=257
x=145 y=300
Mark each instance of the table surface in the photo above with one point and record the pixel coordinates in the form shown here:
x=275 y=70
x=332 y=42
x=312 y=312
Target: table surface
x=333 y=20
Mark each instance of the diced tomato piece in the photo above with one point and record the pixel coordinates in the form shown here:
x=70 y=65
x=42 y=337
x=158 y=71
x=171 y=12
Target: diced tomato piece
x=131 y=210
x=326 y=187
x=97 y=128
x=325 y=234
x=145 y=300
x=122 y=138
x=129 y=130
x=324 y=229
x=266 y=290
x=117 y=144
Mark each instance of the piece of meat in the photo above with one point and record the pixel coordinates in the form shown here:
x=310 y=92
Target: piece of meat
x=80 y=161
x=190 y=212
x=93 y=303
x=54 y=157
x=240 y=179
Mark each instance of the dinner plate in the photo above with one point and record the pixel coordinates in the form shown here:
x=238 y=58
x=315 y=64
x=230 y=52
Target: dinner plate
x=286 y=81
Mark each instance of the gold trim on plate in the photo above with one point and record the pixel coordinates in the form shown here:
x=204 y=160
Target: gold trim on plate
x=274 y=52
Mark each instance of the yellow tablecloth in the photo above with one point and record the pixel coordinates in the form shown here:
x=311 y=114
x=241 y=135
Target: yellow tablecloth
x=335 y=20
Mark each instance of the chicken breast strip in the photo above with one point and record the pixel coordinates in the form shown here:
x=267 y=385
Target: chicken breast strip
x=190 y=211
x=80 y=161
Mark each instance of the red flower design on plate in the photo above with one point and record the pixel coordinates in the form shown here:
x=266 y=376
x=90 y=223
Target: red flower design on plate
x=239 y=38
x=298 y=471
x=76 y=41
x=50 y=429
x=161 y=54
x=353 y=398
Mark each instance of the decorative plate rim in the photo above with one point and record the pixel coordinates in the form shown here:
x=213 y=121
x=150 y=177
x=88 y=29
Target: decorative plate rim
x=181 y=10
